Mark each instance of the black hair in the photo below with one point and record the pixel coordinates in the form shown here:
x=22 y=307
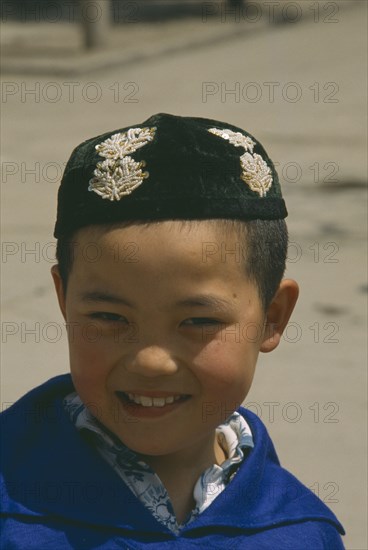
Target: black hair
x=263 y=252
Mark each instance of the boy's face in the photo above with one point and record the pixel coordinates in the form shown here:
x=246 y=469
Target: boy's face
x=138 y=323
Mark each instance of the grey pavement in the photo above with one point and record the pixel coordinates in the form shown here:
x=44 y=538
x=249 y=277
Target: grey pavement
x=311 y=392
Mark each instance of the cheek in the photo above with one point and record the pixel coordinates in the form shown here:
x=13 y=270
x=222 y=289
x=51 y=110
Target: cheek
x=226 y=366
x=225 y=373
x=91 y=360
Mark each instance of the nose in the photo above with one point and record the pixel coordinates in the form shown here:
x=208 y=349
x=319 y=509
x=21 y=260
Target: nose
x=152 y=361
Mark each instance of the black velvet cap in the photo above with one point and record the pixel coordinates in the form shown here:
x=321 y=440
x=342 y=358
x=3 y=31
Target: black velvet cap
x=168 y=168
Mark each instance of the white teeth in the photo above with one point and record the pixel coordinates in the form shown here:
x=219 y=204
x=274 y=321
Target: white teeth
x=146 y=401
x=158 y=401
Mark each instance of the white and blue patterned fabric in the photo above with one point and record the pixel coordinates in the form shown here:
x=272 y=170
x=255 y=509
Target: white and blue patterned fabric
x=234 y=436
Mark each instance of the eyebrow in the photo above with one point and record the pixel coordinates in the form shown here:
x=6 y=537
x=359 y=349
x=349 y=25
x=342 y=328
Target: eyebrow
x=206 y=300
x=199 y=300
x=98 y=297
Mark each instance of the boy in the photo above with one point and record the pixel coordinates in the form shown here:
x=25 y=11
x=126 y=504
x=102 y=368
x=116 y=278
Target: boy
x=171 y=251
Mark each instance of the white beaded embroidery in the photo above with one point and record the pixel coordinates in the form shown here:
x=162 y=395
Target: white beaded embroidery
x=255 y=172
x=235 y=138
x=120 y=174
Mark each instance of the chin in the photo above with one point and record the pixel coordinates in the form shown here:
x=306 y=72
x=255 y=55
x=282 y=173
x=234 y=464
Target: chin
x=152 y=450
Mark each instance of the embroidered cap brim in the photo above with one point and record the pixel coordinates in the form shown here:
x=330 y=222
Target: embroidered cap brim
x=168 y=167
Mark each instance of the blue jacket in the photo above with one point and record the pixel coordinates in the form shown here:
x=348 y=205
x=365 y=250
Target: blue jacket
x=59 y=494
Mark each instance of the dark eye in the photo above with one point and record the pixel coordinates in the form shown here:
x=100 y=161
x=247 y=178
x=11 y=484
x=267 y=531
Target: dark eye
x=105 y=316
x=198 y=321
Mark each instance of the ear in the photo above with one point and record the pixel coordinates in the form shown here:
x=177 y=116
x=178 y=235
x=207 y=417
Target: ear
x=278 y=314
x=59 y=288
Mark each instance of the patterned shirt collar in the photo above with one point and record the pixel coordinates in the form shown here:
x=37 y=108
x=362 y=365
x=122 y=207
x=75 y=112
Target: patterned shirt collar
x=234 y=436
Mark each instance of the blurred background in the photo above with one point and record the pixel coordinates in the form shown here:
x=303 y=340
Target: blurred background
x=294 y=74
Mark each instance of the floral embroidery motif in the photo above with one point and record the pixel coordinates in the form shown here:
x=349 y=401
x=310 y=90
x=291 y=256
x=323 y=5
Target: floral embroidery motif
x=235 y=138
x=120 y=174
x=255 y=172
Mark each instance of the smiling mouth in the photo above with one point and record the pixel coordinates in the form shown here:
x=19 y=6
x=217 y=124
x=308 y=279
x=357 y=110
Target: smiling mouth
x=147 y=401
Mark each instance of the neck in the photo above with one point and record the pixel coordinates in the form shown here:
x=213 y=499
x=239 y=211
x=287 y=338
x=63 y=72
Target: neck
x=179 y=472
